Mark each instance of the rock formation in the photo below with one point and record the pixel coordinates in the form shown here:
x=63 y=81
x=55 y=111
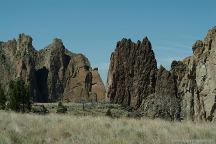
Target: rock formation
x=132 y=72
x=187 y=91
x=52 y=73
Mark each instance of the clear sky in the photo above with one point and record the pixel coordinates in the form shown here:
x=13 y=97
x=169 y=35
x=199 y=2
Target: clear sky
x=93 y=27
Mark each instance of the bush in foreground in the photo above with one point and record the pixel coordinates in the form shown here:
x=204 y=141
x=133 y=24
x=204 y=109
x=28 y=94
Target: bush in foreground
x=61 y=108
x=39 y=109
x=109 y=113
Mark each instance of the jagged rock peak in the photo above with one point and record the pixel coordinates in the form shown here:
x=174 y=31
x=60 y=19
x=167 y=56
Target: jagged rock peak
x=145 y=40
x=128 y=43
x=57 y=44
x=197 y=44
x=25 y=39
x=211 y=35
x=57 y=41
x=146 y=43
x=198 y=48
x=161 y=68
x=132 y=72
x=211 y=32
x=124 y=43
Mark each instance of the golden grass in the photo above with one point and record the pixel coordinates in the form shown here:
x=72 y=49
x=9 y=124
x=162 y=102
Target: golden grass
x=67 y=129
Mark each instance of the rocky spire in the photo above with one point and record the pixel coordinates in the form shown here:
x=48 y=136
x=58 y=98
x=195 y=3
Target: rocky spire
x=132 y=71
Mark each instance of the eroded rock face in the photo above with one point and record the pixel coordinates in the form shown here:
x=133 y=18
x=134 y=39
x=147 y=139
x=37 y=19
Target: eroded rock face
x=187 y=91
x=98 y=92
x=166 y=102
x=197 y=85
x=52 y=73
x=132 y=72
x=206 y=76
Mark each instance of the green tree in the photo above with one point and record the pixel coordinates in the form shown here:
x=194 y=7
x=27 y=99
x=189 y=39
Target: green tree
x=2 y=98
x=19 y=96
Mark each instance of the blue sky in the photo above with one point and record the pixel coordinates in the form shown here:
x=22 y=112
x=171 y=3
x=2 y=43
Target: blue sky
x=93 y=27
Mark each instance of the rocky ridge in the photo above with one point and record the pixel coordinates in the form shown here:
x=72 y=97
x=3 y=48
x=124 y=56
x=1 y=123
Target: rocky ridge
x=53 y=73
x=187 y=91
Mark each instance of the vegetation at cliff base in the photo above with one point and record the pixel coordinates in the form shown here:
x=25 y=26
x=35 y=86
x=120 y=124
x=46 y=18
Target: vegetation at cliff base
x=17 y=98
x=2 y=98
x=61 y=108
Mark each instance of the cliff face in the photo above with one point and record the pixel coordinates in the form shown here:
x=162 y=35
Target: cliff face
x=198 y=85
x=52 y=73
x=132 y=72
x=187 y=91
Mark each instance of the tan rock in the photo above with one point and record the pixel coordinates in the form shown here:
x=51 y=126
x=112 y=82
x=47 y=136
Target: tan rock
x=98 y=88
x=52 y=73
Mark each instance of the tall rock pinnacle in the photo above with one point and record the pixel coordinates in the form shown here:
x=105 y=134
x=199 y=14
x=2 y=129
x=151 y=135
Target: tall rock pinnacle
x=132 y=72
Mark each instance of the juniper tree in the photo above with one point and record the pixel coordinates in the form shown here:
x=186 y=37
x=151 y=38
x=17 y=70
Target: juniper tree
x=19 y=96
x=2 y=98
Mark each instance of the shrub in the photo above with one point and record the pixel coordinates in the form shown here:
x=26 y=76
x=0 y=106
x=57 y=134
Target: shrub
x=109 y=113
x=61 y=108
x=39 y=109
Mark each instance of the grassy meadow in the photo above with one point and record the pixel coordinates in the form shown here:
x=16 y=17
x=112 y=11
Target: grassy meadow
x=52 y=128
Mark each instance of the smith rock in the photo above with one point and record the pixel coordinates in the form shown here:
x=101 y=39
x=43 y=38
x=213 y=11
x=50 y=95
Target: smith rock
x=186 y=91
x=53 y=73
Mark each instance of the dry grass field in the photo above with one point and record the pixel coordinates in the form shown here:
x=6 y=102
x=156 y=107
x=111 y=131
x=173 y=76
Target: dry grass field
x=17 y=128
